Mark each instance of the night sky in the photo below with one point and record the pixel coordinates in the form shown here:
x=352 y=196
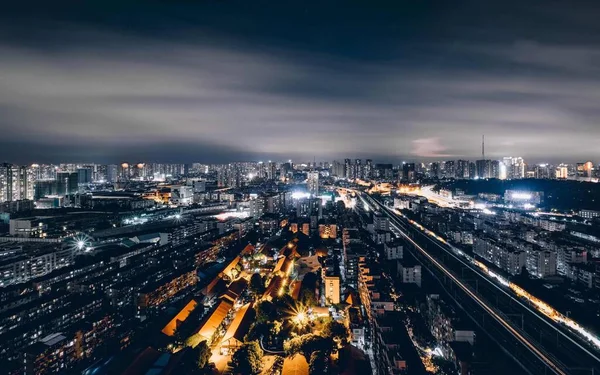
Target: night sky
x=217 y=81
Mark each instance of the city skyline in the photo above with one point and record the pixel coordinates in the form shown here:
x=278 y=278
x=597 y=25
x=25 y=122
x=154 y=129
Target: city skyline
x=224 y=82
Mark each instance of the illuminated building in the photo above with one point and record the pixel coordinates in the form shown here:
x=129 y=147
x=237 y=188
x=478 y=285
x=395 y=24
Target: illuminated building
x=449 y=169
x=562 y=172
x=328 y=231
x=123 y=172
x=495 y=168
x=256 y=206
x=368 y=169
x=542 y=171
x=585 y=170
x=541 y=263
x=483 y=168
x=409 y=273
x=358 y=170
x=59 y=352
x=462 y=169
x=338 y=169
x=67 y=183
x=331 y=284
x=434 y=170
x=515 y=167
x=271 y=170
x=22 y=262
x=27 y=227
x=509 y=259
x=408 y=172
x=393 y=250
x=16 y=183
x=181 y=195
x=502 y=172
x=517 y=197
x=312 y=183
x=157 y=292
x=349 y=169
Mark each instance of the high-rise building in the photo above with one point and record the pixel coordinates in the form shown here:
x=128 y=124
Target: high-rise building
x=358 y=170
x=271 y=170
x=368 y=169
x=472 y=170
x=515 y=167
x=66 y=183
x=339 y=169
x=123 y=173
x=408 y=172
x=542 y=171
x=450 y=169
x=434 y=170
x=313 y=183
x=16 y=182
x=562 y=172
x=349 y=169
x=111 y=173
x=483 y=168
x=495 y=167
x=462 y=169
x=84 y=175
x=585 y=170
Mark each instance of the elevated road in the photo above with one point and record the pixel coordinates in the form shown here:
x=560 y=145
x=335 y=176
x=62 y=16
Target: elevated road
x=533 y=340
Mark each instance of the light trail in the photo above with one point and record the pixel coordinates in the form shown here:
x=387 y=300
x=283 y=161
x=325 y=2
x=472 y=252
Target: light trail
x=530 y=346
x=540 y=305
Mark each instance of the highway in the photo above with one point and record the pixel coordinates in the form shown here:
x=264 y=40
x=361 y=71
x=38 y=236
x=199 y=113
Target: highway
x=581 y=359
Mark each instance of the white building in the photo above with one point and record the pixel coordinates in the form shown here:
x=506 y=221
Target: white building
x=541 y=263
x=182 y=195
x=410 y=274
x=393 y=250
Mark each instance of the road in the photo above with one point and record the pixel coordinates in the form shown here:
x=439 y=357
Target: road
x=438 y=256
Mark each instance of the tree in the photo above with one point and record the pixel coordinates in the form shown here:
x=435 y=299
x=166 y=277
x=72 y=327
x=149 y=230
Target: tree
x=307 y=344
x=318 y=363
x=336 y=331
x=266 y=311
x=257 y=285
x=248 y=359
x=307 y=297
x=203 y=353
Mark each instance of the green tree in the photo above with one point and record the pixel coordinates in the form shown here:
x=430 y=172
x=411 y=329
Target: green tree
x=307 y=297
x=308 y=344
x=248 y=359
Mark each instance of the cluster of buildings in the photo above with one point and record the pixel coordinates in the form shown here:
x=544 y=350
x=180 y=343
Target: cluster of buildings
x=506 y=168
x=514 y=240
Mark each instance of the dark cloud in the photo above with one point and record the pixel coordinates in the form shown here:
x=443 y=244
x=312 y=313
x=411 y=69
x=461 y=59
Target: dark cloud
x=186 y=81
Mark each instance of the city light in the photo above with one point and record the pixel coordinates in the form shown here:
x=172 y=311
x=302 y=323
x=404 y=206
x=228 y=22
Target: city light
x=300 y=195
x=540 y=305
x=521 y=196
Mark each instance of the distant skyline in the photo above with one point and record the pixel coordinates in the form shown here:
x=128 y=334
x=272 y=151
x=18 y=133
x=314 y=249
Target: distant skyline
x=222 y=81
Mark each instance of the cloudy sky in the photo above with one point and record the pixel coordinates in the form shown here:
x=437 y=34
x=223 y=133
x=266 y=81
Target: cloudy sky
x=225 y=80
